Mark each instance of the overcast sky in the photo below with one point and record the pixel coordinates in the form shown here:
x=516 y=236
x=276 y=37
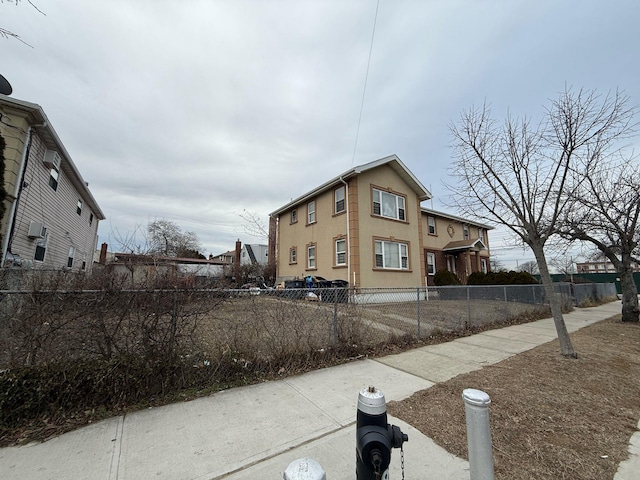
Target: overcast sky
x=194 y=111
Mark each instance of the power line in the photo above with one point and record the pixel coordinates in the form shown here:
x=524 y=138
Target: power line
x=366 y=77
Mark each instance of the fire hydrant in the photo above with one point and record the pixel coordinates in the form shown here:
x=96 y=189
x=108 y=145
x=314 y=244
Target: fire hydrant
x=374 y=436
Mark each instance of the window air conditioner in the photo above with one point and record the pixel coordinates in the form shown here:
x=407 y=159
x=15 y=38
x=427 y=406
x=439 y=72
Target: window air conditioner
x=37 y=230
x=52 y=159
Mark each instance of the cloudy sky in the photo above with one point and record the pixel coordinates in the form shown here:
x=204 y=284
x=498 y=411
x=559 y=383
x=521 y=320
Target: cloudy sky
x=196 y=110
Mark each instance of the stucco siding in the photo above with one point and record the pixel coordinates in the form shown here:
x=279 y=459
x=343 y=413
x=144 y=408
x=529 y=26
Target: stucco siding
x=374 y=227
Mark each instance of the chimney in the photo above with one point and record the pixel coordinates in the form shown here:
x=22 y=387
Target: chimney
x=236 y=267
x=103 y=254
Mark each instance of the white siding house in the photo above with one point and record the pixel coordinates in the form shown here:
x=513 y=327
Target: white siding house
x=51 y=219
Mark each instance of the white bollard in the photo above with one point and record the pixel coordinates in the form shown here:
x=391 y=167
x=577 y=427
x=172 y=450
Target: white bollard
x=304 y=469
x=478 y=434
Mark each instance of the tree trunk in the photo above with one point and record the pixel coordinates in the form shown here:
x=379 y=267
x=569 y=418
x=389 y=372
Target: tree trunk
x=566 y=348
x=630 y=312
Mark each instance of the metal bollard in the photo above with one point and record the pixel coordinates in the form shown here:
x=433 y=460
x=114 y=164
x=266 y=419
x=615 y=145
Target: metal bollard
x=478 y=434
x=304 y=469
x=374 y=436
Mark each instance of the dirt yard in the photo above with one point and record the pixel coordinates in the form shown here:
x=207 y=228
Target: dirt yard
x=551 y=417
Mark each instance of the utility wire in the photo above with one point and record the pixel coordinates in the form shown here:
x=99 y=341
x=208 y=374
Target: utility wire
x=366 y=77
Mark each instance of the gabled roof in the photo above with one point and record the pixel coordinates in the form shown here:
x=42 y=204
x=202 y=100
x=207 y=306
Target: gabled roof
x=38 y=119
x=429 y=211
x=392 y=161
x=475 y=243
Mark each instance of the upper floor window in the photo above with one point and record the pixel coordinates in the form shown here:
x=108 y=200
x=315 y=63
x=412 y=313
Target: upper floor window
x=79 y=207
x=481 y=234
x=341 y=252
x=465 y=232
x=91 y=219
x=432 y=225
x=431 y=263
x=53 y=178
x=388 y=205
x=294 y=216
x=311 y=212
x=339 y=199
x=392 y=255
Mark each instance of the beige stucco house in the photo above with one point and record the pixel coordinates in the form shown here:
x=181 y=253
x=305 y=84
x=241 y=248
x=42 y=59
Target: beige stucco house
x=367 y=226
x=51 y=217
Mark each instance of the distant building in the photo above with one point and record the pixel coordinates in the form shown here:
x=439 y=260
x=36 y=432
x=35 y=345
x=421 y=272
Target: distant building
x=602 y=266
x=226 y=257
x=254 y=254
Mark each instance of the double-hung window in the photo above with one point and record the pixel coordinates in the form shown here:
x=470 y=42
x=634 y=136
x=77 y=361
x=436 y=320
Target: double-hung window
x=311 y=256
x=294 y=215
x=41 y=248
x=388 y=205
x=53 y=178
x=293 y=255
x=311 y=212
x=431 y=263
x=432 y=225
x=339 y=199
x=79 y=207
x=391 y=255
x=465 y=232
x=341 y=252
x=72 y=254
x=481 y=234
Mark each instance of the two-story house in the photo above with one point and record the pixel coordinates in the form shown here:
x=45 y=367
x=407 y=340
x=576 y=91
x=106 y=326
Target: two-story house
x=367 y=226
x=51 y=218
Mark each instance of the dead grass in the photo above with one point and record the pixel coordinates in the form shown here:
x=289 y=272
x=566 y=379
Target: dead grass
x=551 y=417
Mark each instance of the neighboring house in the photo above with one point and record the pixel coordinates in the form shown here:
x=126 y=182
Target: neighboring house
x=604 y=266
x=453 y=243
x=254 y=254
x=144 y=270
x=51 y=218
x=391 y=240
x=226 y=257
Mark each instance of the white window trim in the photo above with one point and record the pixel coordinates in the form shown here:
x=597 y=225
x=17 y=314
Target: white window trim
x=311 y=212
x=293 y=255
x=399 y=199
x=431 y=260
x=336 y=200
x=311 y=257
x=343 y=252
x=385 y=261
x=431 y=222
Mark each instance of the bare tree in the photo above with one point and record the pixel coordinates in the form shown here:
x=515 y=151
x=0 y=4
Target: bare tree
x=604 y=210
x=9 y=34
x=564 y=264
x=530 y=267
x=253 y=225
x=166 y=238
x=517 y=174
x=497 y=265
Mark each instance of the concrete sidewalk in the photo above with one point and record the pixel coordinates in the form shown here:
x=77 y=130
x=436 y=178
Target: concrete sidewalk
x=256 y=431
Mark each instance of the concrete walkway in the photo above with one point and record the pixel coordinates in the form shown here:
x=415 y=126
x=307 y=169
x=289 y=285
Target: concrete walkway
x=254 y=432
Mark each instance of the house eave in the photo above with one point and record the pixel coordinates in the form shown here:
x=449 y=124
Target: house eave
x=392 y=160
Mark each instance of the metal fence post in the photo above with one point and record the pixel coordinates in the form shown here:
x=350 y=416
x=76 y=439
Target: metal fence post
x=335 y=315
x=476 y=404
x=418 y=308
x=468 y=308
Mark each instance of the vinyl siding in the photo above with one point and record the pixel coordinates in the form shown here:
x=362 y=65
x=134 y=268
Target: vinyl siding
x=56 y=209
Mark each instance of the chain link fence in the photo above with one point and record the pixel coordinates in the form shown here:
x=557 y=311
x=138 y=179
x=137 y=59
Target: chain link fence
x=37 y=327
